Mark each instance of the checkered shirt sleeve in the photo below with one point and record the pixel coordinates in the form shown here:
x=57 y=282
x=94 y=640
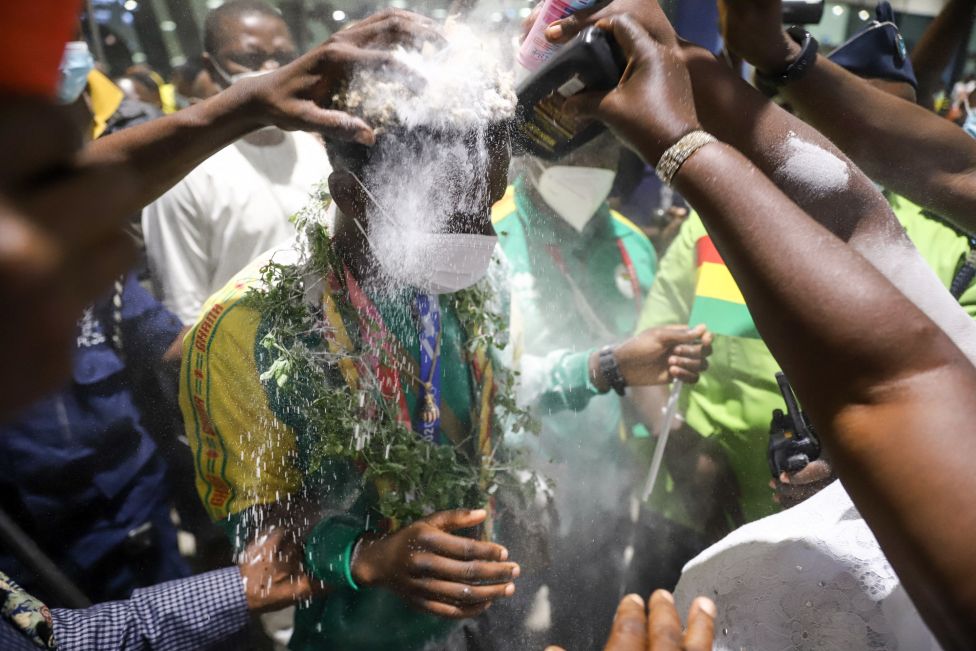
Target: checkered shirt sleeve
x=207 y=611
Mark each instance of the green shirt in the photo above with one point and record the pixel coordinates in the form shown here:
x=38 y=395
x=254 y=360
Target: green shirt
x=571 y=293
x=943 y=247
x=734 y=399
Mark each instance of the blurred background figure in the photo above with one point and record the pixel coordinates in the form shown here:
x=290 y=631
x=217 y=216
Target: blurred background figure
x=578 y=272
x=80 y=473
x=236 y=204
x=141 y=87
x=192 y=81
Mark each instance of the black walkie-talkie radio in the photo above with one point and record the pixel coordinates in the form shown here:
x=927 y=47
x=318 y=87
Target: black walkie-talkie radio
x=591 y=61
x=792 y=441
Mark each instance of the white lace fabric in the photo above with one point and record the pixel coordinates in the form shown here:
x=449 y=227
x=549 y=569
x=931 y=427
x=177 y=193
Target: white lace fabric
x=810 y=578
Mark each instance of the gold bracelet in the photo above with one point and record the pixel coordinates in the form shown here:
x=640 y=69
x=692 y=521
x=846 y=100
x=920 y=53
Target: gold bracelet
x=676 y=155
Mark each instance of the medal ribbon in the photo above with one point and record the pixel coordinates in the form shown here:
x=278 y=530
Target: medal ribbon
x=428 y=420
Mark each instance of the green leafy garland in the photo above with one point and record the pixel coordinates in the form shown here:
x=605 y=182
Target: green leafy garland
x=418 y=477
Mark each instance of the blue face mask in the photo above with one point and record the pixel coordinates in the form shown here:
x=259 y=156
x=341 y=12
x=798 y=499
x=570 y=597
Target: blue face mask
x=76 y=63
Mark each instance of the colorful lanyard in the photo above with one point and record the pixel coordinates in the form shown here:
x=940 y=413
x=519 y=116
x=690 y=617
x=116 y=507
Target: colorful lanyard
x=375 y=334
x=376 y=338
x=428 y=420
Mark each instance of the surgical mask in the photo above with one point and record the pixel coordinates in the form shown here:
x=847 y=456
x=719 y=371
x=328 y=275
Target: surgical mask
x=573 y=193
x=76 y=63
x=233 y=79
x=436 y=263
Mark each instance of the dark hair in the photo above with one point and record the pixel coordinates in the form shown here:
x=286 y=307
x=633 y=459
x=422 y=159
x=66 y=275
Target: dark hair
x=213 y=26
x=396 y=141
x=190 y=69
x=143 y=78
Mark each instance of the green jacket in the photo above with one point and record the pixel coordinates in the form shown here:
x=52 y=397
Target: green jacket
x=571 y=293
x=734 y=399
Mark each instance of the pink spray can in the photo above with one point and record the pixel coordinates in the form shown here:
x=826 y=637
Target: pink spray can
x=536 y=50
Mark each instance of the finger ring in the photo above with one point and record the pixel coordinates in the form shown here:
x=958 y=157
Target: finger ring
x=466 y=592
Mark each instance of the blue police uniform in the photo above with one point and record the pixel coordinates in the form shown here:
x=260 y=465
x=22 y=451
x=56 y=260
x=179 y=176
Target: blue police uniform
x=80 y=473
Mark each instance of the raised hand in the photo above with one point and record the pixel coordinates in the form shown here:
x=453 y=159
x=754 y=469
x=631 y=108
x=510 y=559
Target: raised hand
x=659 y=355
x=753 y=30
x=652 y=107
x=298 y=96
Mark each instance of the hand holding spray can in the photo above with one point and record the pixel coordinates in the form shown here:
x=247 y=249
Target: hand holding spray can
x=536 y=50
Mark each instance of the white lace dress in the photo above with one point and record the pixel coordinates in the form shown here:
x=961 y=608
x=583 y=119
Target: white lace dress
x=810 y=578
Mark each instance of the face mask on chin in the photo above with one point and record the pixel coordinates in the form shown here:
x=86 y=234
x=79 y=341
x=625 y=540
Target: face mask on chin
x=573 y=193
x=233 y=79
x=435 y=263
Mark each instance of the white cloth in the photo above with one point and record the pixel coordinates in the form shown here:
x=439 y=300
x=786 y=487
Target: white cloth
x=811 y=577
x=231 y=208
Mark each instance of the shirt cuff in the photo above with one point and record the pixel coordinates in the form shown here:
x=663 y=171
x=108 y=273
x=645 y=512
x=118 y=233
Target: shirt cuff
x=328 y=550
x=577 y=367
x=207 y=611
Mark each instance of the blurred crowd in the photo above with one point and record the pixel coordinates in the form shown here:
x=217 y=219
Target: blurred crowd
x=247 y=403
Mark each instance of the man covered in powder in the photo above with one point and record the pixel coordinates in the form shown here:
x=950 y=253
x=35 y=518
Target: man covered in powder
x=347 y=392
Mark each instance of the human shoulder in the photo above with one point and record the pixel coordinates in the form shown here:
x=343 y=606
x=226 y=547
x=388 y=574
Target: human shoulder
x=226 y=313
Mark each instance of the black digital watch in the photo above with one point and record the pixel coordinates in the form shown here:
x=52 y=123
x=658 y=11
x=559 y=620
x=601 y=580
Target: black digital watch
x=611 y=371
x=797 y=68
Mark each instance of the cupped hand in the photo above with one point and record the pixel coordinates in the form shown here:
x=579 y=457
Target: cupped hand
x=659 y=627
x=436 y=571
x=652 y=107
x=795 y=487
x=271 y=570
x=659 y=355
x=298 y=96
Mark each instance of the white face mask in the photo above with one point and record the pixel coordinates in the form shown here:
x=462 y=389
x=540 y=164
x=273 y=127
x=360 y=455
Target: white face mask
x=450 y=262
x=233 y=79
x=574 y=193
x=436 y=263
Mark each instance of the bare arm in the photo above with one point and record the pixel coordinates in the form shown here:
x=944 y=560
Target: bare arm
x=897 y=143
x=295 y=97
x=875 y=393
x=798 y=158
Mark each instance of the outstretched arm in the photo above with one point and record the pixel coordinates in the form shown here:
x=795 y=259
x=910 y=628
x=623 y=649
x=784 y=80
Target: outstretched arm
x=295 y=97
x=808 y=168
x=900 y=144
x=876 y=387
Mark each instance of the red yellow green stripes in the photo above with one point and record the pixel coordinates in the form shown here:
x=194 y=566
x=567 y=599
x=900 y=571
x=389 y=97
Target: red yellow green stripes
x=718 y=302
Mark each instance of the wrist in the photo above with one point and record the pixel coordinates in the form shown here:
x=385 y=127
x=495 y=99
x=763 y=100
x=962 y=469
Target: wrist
x=361 y=565
x=328 y=551
x=597 y=379
x=781 y=52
